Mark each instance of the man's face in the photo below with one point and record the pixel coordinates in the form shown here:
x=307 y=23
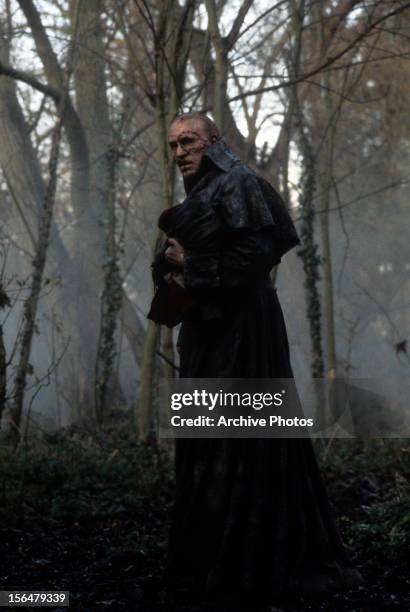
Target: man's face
x=188 y=140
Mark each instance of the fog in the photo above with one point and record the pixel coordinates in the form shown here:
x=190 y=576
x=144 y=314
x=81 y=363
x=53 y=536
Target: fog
x=106 y=204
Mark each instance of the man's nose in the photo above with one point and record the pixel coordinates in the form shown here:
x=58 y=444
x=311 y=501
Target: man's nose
x=180 y=151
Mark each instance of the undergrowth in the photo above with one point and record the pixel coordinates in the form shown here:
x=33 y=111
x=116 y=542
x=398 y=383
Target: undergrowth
x=106 y=481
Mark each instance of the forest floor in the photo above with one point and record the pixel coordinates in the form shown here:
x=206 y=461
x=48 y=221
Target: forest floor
x=89 y=514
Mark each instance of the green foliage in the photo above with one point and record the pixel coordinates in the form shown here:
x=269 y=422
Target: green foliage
x=386 y=529
x=369 y=482
x=96 y=479
x=109 y=479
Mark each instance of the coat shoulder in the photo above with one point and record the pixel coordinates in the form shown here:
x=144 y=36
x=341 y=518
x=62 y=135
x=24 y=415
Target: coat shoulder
x=244 y=198
x=240 y=173
x=248 y=200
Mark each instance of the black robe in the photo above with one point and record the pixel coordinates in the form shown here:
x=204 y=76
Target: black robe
x=251 y=516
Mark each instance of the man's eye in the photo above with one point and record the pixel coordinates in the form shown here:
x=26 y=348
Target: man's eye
x=186 y=141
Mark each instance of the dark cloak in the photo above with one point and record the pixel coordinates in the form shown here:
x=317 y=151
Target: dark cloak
x=251 y=516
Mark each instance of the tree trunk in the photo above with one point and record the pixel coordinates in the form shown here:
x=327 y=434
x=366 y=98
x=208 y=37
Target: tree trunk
x=220 y=67
x=144 y=405
x=171 y=42
x=39 y=264
x=3 y=374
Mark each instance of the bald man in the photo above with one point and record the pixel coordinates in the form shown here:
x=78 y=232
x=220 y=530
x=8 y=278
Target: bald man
x=251 y=516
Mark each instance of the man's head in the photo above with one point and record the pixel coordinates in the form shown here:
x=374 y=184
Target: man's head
x=189 y=137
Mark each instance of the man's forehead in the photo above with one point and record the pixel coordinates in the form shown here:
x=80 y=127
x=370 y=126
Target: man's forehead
x=188 y=127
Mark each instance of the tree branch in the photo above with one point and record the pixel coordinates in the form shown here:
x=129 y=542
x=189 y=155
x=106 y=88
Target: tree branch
x=231 y=38
x=329 y=61
x=25 y=77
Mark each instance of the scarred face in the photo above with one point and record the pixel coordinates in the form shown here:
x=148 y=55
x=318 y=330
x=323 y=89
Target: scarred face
x=188 y=140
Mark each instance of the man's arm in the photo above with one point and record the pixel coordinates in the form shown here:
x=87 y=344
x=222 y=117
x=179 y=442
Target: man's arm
x=162 y=265
x=174 y=254
x=171 y=301
x=246 y=255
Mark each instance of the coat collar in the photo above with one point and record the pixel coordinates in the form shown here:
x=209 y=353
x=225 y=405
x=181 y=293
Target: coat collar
x=221 y=155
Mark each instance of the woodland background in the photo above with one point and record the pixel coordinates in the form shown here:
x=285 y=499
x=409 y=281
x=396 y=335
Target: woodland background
x=314 y=95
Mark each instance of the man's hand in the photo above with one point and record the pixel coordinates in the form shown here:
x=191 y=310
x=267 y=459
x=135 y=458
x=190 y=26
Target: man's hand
x=175 y=253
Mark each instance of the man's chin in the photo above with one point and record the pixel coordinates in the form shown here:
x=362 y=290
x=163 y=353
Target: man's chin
x=188 y=172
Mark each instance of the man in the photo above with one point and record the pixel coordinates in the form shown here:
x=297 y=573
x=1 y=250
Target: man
x=251 y=517
x=259 y=228
x=189 y=137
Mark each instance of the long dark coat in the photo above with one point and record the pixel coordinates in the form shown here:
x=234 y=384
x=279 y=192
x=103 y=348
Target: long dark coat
x=251 y=516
